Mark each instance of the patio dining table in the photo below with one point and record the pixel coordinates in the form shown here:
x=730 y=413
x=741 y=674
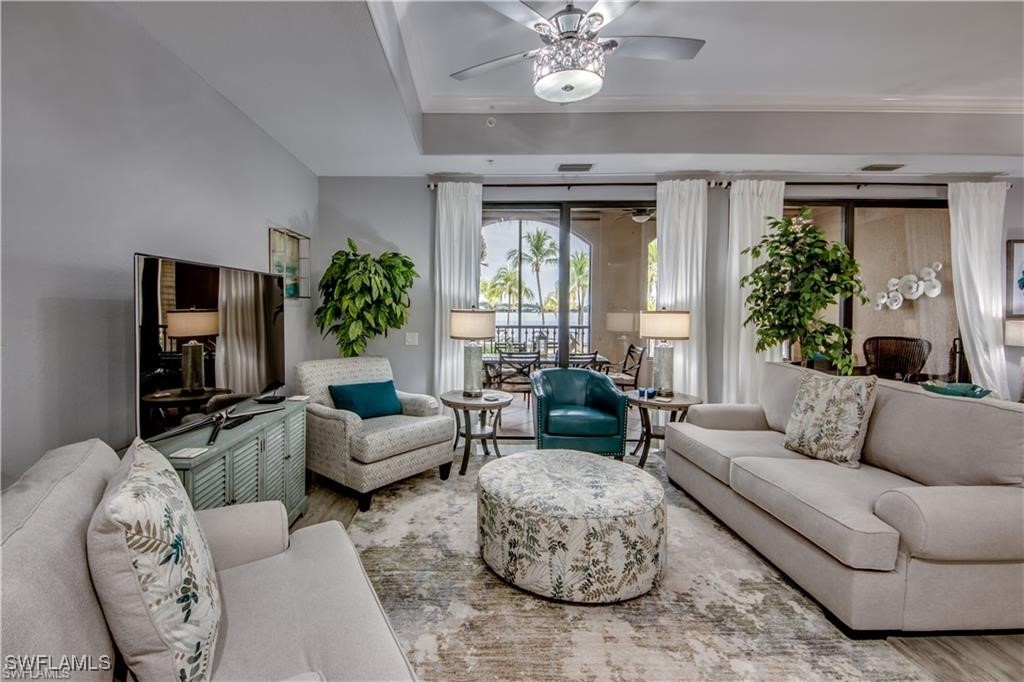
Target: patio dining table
x=492 y=360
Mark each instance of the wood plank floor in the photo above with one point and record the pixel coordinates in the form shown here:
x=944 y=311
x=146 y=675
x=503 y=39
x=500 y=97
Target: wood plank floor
x=984 y=657
x=981 y=658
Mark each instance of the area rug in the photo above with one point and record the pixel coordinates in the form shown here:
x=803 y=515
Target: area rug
x=721 y=612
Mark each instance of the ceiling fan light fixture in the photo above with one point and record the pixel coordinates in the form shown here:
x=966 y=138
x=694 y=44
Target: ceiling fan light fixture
x=642 y=215
x=569 y=70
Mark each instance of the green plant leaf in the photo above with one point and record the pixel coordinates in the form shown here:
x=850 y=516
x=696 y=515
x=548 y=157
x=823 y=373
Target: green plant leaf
x=363 y=296
x=798 y=274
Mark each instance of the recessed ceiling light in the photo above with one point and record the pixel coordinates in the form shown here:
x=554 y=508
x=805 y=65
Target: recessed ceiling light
x=893 y=99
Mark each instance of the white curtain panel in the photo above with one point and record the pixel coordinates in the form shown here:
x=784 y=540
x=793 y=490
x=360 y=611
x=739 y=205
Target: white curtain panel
x=242 y=346
x=457 y=275
x=976 y=238
x=682 y=240
x=751 y=203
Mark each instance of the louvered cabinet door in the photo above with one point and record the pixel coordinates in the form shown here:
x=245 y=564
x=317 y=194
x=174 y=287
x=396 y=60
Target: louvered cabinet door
x=245 y=471
x=210 y=484
x=295 y=463
x=273 y=463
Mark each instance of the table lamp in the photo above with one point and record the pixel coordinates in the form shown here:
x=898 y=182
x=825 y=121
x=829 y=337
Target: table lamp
x=665 y=326
x=1013 y=335
x=622 y=322
x=472 y=325
x=191 y=324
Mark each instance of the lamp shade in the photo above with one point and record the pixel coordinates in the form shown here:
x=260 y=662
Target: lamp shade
x=620 y=321
x=192 y=322
x=471 y=324
x=665 y=324
x=1013 y=333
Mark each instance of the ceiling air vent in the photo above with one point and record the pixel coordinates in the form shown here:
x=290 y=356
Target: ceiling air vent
x=574 y=167
x=882 y=167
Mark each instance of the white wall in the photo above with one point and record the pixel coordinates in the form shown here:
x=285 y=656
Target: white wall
x=112 y=146
x=386 y=214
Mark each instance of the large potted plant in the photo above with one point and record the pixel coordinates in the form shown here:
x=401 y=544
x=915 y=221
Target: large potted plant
x=802 y=274
x=363 y=296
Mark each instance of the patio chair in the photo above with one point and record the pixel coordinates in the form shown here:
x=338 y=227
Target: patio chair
x=626 y=377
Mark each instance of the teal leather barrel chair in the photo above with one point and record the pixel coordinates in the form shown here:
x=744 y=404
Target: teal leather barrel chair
x=579 y=409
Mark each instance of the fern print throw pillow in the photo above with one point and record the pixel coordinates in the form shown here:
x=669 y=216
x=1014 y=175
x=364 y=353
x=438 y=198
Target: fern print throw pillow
x=153 y=571
x=830 y=417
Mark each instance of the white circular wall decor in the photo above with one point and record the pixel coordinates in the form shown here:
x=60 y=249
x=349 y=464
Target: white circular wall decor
x=910 y=287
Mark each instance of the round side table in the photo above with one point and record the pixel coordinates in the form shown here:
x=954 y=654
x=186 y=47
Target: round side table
x=464 y=424
x=676 y=406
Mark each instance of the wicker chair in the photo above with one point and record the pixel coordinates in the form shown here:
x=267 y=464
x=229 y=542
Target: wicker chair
x=896 y=357
x=367 y=454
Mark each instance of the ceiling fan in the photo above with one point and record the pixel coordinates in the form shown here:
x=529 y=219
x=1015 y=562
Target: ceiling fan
x=569 y=67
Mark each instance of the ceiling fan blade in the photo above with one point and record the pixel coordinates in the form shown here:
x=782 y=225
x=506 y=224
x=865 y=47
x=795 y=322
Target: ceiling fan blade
x=610 y=10
x=655 y=47
x=522 y=13
x=494 y=64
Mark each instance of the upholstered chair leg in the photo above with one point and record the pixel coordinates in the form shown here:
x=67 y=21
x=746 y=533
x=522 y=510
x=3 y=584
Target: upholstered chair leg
x=444 y=471
x=364 y=501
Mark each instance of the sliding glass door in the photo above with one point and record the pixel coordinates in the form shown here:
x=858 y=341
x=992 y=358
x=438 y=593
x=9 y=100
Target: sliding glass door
x=567 y=282
x=903 y=249
x=519 y=276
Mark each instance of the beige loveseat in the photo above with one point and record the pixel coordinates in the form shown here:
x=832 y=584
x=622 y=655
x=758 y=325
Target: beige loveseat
x=295 y=606
x=928 y=534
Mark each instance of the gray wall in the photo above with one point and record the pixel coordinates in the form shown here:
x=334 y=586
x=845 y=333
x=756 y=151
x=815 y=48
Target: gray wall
x=386 y=214
x=1013 y=221
x=110 y=146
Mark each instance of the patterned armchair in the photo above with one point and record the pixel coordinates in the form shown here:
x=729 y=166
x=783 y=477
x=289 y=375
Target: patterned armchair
x=367 y=454
x=579 y=409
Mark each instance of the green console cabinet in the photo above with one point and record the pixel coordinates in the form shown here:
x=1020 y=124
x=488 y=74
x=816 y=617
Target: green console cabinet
x=262 y=459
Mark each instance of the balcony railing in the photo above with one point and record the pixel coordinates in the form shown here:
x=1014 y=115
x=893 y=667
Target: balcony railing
x=511 y=337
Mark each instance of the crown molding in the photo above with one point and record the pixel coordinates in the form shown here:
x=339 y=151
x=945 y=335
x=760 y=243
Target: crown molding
x=700 y=103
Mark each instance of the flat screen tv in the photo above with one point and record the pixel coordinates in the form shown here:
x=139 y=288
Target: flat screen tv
x=204 y=334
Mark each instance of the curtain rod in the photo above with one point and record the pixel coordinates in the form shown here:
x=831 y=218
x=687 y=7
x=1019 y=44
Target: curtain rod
x=711 y=183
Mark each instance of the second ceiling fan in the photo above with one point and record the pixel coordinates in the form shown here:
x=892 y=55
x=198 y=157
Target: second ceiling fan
x=569 y=67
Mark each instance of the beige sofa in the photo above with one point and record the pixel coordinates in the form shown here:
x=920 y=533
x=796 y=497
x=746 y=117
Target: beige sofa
x=928 y=534
x=295 y=606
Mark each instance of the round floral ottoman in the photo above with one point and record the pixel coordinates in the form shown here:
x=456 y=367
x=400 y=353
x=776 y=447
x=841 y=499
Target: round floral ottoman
x=572 y=525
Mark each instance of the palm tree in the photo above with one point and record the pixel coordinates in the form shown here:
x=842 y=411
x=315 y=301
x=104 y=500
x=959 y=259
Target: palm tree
x=539 y=249
x=551 y=302
x=491 y=292
x=652 y=273
x=506 y=282
x=579 y=281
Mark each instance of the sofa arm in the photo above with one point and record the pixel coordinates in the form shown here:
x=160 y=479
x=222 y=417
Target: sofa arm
x=416 y=405
x=728 y=417
x=243 y=533
x=349 y=420
x=957 y=523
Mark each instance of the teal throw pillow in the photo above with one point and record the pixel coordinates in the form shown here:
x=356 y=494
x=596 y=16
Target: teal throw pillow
x=372 y=399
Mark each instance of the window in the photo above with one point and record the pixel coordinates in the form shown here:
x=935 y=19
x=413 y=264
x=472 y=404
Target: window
x=894 y=242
